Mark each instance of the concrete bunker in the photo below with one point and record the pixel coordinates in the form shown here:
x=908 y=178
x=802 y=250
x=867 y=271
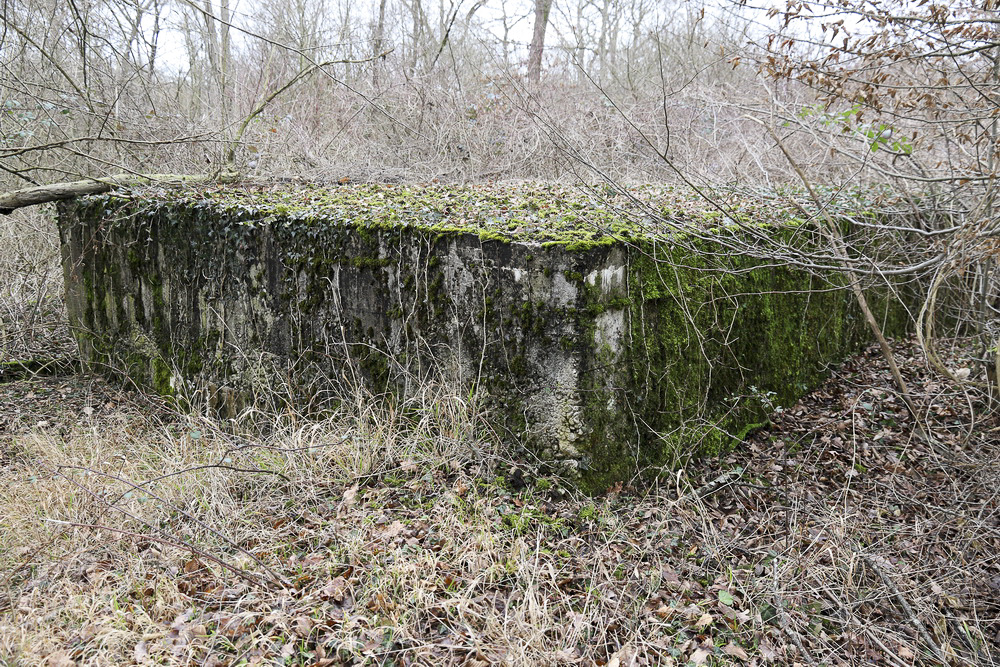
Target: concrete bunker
x=601 y=344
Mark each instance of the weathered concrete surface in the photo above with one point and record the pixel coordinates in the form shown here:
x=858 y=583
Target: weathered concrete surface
x=600 y=359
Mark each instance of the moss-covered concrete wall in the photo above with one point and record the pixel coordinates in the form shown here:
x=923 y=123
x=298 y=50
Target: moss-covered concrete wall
x=601 y=358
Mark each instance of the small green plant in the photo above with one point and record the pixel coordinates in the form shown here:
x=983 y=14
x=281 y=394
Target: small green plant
x=879 y=135
x=588 y=512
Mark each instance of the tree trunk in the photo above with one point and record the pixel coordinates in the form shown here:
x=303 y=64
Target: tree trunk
x=537 y=48
x=378 y=43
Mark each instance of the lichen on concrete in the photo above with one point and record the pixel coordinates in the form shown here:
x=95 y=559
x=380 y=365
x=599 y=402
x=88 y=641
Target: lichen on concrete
x=602 y=343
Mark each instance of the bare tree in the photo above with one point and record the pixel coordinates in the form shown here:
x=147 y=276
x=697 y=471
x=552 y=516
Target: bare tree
x=378 y=43
x=537 y=48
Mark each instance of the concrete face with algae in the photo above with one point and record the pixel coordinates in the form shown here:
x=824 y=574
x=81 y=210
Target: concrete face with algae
x=602 y=351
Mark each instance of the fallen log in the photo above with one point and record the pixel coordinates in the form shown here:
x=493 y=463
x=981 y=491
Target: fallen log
x=44 y=194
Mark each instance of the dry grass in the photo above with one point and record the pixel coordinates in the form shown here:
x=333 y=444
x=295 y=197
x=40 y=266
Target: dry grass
x=373 y=537
x=405 y=537
x=31 y=295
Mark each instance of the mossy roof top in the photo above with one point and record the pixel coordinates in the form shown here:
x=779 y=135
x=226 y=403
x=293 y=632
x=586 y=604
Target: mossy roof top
x=522 y=212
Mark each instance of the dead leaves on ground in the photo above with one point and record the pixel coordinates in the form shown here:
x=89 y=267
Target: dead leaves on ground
x=436 y=566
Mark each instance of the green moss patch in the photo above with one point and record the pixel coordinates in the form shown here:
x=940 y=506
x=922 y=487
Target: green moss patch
x=575 y=217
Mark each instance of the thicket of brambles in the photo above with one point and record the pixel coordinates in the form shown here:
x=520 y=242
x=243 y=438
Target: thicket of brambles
x=383 y=90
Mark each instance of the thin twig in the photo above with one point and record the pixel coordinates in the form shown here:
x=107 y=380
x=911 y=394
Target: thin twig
x=905 y=607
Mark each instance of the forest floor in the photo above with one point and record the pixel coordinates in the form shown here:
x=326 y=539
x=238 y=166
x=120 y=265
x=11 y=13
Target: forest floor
x=133 y=534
